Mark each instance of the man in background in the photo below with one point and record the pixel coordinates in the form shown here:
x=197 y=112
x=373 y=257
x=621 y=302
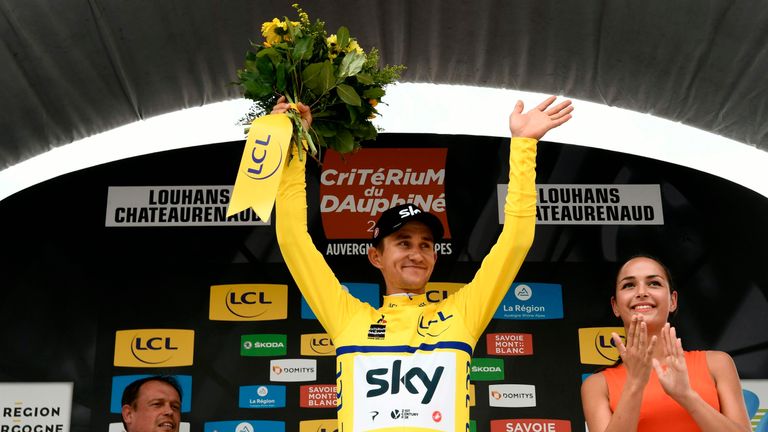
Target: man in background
x=152 y=404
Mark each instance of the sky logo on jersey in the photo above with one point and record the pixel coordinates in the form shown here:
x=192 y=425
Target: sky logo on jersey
x=439 y=291
x=530 y=425
x=317 y=396
x=263 y=345
x=244 y=426
x=486 y=369
x=317 y=344
x=262 y=396
x=405 y=391
x=509 y=344
x=326 y=425
x=387 y=380
x=248 y=302
x=119 y=383
x=512 y=395
x=154 y=348
x=292 y=370
x=531 y=301
x=365 y=292
x=596 y=346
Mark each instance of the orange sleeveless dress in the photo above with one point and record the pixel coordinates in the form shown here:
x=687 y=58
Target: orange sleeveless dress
x=658 y=411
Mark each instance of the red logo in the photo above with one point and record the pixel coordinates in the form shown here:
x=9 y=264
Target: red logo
x=526 y=425
x=354 y=191
x=509 y=344
x=436 y=416
x=317 y=396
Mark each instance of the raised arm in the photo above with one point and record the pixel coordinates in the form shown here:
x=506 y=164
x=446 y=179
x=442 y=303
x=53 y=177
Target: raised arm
x=483 y=294
x=331 y=304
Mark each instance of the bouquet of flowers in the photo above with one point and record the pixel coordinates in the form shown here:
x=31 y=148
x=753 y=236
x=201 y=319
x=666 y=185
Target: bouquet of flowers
x=332 y=74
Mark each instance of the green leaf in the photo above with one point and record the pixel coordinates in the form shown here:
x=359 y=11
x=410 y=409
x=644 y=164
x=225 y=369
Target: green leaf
x=256 y=86
x=318 y=77
x=351 y=64
x=264 y=67
x=342 y=37
x=348 y=94
x=364 y=78
x=280 y=81
x=267 y=52
x=303 y=48
x=324 y=128
x=318 y=138
x=294 y=31
x=368 y=131
x=330 y=142
x=345 y=142
x=354 y=113
x=373 y=93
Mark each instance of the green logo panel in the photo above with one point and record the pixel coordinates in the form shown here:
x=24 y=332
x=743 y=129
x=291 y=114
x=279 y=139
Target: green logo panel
x=263 y=345
x=487 y=369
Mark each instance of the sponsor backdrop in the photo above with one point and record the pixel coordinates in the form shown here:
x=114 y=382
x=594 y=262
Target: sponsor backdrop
x=131 y=268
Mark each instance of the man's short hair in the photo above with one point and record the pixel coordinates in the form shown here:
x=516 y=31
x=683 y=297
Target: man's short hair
x=396 y=217
x=131 y=392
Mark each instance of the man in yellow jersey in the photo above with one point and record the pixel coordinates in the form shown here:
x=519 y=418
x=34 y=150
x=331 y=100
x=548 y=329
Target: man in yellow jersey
x=405 y=366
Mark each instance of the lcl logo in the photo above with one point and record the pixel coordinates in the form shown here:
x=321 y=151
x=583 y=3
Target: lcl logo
x=154 y=347
x=248 y=302
x=238 y=303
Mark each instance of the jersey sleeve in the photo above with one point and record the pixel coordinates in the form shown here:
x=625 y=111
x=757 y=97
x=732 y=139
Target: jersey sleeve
x=333 y=306
x=481 y=297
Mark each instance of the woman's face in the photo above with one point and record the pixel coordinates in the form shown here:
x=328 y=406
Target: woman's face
x=642 y=288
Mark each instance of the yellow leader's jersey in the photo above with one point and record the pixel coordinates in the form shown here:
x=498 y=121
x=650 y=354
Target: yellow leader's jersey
x=406 y=366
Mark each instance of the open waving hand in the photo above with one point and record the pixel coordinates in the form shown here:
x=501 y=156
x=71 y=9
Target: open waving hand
x=540 y=120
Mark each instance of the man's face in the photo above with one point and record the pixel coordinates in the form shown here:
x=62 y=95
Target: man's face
x=158 y=408
x=406 y=258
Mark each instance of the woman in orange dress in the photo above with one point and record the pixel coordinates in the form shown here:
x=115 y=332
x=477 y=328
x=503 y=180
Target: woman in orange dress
x=686 y=391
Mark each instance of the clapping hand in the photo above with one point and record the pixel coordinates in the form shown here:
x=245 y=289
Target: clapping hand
x=638 y=351
x=673 y=373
